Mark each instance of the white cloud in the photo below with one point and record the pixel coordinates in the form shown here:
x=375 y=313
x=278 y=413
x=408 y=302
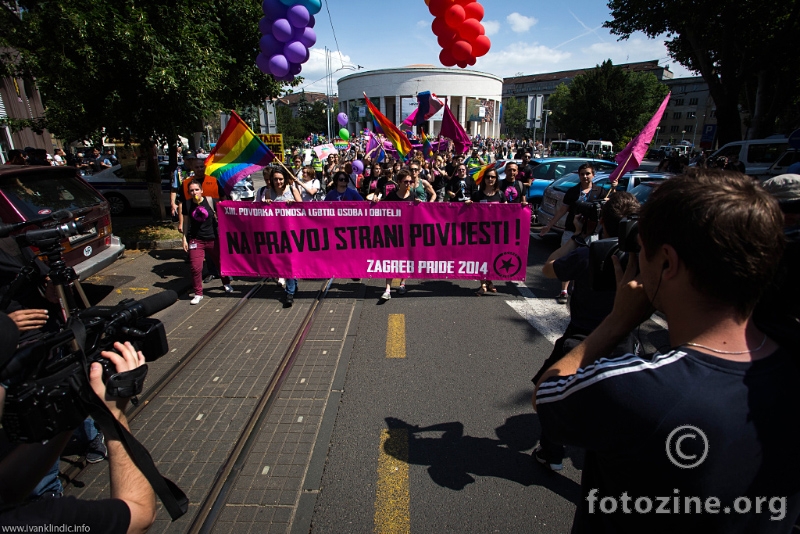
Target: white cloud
x=520 y=23
x=423 y=24
x=526 y=57
x=491 y=26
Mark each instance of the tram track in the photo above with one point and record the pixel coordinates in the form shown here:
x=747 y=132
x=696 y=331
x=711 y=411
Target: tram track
x=214 y=500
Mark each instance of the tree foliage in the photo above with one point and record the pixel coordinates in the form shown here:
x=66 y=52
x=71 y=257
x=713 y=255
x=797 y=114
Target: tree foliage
x=607 y=102
x=746 y=52
x=308 y=118
x=514 y=116
x=134 y=69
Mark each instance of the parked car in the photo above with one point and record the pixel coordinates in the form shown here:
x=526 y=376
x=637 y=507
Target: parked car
x=782 y=164
x=758 y=155
x=643 y=191
x=554 y=194
x=126 y=189
x=29 y=192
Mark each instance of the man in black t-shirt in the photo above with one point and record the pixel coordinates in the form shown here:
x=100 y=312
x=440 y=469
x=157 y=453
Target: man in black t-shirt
x=701 y=437
x=460 y=187
x=513 y=188
x=587 y=307
x=583 y=190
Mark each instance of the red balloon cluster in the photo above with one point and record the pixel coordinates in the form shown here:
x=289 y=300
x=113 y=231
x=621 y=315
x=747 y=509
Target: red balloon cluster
x=457 y=24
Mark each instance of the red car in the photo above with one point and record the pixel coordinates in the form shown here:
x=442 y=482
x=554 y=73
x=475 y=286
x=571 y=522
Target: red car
x=33 y=192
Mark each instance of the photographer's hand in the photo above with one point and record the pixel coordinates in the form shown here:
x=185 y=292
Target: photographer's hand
x=631 y=303
x=29 y=319
x=631 y=307
x=127 y=360
x=127 y=481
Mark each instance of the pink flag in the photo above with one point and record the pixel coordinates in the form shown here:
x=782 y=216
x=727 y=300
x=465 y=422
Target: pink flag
x=631 y=157
x=452 y=129
x=409 y=122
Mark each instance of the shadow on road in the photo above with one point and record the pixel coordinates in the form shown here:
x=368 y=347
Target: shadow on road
x=454 y=460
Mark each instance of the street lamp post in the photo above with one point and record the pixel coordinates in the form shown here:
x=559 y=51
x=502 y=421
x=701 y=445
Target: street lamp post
x=683 y=134
x=658 y=131
x=544 y=137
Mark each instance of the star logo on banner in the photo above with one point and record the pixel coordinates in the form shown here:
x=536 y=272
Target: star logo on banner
x=507 y=264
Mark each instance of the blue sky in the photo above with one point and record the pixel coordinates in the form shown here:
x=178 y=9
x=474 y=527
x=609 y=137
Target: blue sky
x=527 y=38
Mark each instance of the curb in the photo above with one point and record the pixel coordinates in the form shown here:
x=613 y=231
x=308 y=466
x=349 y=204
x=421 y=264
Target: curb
x=151 y=245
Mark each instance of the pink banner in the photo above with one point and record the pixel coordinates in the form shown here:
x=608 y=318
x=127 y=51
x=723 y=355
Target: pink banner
x=374 y=240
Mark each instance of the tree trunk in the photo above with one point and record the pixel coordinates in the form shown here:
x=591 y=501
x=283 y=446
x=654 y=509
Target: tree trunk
x=153 y=177
x=758 y=120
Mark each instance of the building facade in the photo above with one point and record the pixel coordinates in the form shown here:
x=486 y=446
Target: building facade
x=690 y=116
x=474 y=97
x=20 y=100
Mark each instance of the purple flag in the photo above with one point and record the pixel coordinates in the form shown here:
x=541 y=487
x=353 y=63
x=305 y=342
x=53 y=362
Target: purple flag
x=452 y=129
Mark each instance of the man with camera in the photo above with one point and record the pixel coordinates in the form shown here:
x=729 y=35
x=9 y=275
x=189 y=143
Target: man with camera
x=583 y=191
x=131 y=507
x=700 y=437
x=587 y=306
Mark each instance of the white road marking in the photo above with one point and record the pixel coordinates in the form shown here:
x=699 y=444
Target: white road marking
x=547 y=316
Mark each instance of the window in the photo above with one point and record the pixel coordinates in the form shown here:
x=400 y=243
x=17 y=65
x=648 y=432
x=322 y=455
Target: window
x=679 y=101
x=691 y=114
x=765 y=153
x=673 y=129
x=676 y=115
x=689 y=128
x=692 y=101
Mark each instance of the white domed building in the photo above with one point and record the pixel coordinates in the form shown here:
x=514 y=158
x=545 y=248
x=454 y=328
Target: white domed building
x=474 y=97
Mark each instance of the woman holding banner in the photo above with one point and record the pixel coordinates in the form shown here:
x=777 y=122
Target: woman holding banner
x=405 y=191
x=488 y=191
x=307 y=184
x=340 y=190
x=279 y=190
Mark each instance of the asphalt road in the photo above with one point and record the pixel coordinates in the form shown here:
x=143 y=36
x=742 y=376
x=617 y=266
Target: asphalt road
x=435 y=427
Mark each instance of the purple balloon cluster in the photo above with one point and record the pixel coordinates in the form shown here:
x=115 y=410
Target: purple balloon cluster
x=287 y=33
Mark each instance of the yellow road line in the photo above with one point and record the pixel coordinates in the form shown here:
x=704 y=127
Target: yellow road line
x=396 y=336
x=391 y=496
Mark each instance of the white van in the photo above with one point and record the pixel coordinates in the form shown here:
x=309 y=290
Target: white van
x=682 y=150
x=599 y=146
x=758 y=155
x=568 y=145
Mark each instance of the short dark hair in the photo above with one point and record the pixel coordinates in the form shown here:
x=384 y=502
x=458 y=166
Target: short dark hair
x=619 y=205
x=402 y=173
x=724 y=227
x=337 y=174
x=588 y=165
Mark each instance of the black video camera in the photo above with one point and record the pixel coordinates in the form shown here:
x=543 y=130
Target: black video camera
x=589 y=211
x=600 y=252
x=47 y=380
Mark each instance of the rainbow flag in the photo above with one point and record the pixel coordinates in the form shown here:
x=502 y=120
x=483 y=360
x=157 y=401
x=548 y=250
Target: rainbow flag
x=398 y=139
x=427 y=149
x=478 y=172
x=238 y=153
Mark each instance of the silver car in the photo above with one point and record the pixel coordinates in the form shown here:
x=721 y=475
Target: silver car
x=554 y=193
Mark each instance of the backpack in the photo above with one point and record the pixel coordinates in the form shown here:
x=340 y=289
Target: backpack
x=320 y=194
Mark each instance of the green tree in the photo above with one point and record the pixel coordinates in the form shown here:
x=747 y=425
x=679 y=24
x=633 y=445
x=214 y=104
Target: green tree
x=515 y=112
x=607 y=102
x=746 y=53
x=134 y=70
